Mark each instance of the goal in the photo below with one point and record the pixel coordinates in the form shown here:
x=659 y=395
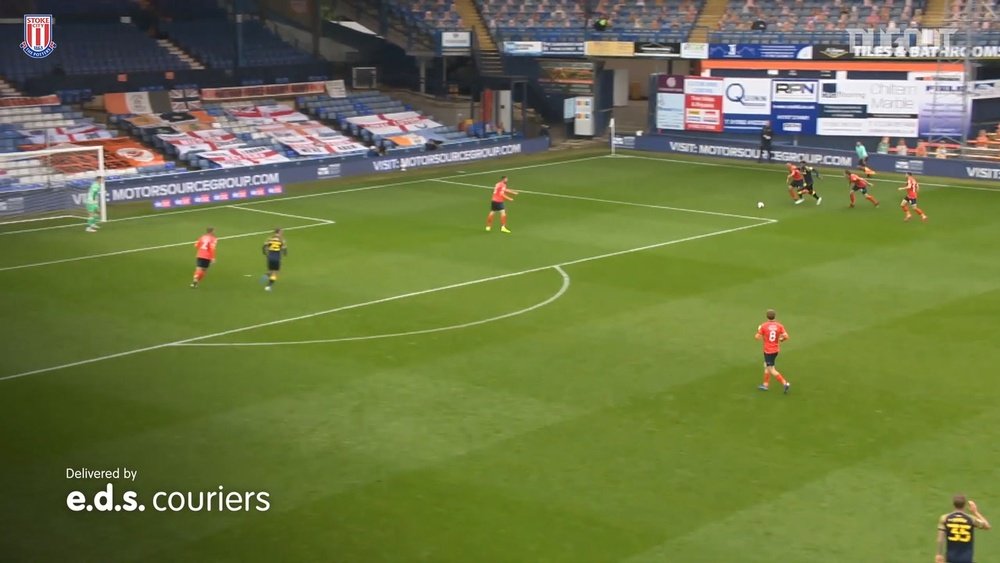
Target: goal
x=50 y=184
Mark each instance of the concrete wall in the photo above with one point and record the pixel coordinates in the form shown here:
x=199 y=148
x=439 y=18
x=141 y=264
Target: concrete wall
x=640 y=69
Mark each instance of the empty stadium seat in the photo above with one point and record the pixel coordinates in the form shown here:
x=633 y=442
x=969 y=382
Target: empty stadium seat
x=429 y=14
x=213 y=43
x=102 y=48
x=564 y=20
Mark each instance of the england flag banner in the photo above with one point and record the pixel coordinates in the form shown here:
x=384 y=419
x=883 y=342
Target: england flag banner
x=232 y=158
x=84 y=132
x=394 y=123
x=200 y=141
x=269 y=113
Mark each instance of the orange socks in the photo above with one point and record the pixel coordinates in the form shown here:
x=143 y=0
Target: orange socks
x=780 y=378
x=503 y=220
x=871 y=199
x=489 y=220
x=767 y=378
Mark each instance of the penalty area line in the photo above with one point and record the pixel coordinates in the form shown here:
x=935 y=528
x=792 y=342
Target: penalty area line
x=149 y=248
x=382 y=300
x=549 y=300
x=268 y=201
x=279 y=214
x=623 y=203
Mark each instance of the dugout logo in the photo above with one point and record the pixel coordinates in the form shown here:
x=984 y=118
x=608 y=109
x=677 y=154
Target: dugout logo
x=38 y=42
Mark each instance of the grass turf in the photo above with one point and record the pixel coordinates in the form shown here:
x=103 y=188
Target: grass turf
x=611 y=415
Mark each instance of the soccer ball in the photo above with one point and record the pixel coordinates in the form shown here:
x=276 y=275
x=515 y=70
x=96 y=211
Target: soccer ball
x=760 y=205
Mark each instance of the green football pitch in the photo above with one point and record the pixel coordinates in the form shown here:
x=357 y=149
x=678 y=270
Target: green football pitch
x=581 y=390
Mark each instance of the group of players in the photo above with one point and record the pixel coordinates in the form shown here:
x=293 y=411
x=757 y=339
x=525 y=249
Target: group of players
x=801 y=182
x=275 y=248
x=955 y=529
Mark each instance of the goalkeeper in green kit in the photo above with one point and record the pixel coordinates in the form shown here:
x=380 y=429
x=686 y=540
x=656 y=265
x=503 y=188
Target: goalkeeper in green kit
x=94 y=204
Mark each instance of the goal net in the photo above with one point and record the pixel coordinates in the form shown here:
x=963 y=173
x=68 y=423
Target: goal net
x=50 y=184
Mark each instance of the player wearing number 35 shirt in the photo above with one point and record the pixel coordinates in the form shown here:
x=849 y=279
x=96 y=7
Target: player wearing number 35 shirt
x=772 y=333
x=956 y=531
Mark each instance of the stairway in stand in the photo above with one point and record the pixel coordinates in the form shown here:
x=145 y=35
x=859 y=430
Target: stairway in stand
x=7 y=89
x=708 y=20
x=181 y=54
x=488 y=58
x=935 y=13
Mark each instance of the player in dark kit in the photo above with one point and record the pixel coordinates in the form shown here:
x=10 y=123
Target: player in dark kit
x=275 y=249
x=766 y=136
x=808 y=176
x=955 y=537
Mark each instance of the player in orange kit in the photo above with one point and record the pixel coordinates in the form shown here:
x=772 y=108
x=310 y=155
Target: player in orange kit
x=206 y=254
x=859 y=184
x=795 y=181
x=772 y=333
x=497 y=204
x=910 y=201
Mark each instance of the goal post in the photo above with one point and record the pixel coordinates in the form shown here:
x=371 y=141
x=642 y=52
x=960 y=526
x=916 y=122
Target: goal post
x=51 y=183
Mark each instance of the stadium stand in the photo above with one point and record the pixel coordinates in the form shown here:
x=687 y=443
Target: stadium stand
x=48 y=126
x=191 y=9
x=985 y=13
x=986 y=18
x=88 y=8
x=378 y=119
x=428 y=14
x=244 y=133
x=101 y=48
x=811 y=21
x=213 y=43
x=564 y=20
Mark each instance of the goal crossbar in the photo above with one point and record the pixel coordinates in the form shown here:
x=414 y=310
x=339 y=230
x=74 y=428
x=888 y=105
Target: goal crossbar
x=48 y=177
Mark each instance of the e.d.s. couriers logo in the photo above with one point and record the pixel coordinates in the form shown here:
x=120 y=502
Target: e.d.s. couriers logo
x=108 y=498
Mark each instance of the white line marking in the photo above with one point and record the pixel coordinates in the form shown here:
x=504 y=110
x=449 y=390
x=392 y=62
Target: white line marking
x=303 y=217
x=303 y=196
x=551 y=299
x=762 y=168
x=146 y=249
x=382 y=300
x=37 y=219
x=119 y=220
x=627 y=203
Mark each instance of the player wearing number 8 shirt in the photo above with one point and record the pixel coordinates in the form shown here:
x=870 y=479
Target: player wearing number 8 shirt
x=772 y=333
x=956 y=529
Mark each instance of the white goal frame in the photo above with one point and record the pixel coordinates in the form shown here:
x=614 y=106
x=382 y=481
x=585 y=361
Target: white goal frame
x=99 y=171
